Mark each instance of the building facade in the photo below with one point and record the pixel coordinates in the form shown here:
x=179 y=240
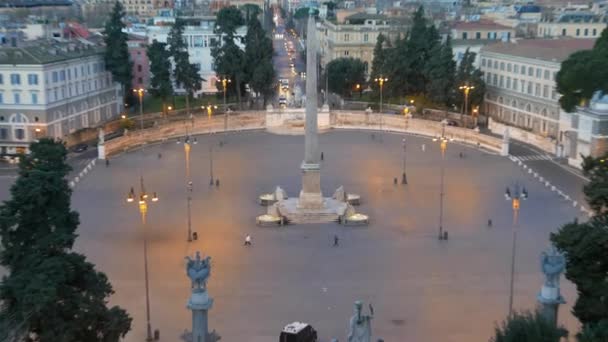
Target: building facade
x=355 y=38
x=520 y=80
x=145 y=8
x=481 y=30
x=53 y=89
x=571 y=28
x=138 y=47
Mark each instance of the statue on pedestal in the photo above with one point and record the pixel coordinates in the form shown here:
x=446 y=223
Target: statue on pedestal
x=101 y=136
x=553 y=264
x=360 y=325
x=198 y=271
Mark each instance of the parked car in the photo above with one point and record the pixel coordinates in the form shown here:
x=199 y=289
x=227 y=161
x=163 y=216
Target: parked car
x=80 y=148
x=298 y=332
x=453 y=123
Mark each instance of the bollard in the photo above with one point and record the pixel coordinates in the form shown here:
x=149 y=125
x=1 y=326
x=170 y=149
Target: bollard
x=530 y=171
x=395 y=180
x=156 y=335
x=541 y=179
x=574 y=204
x=76 y=179
x=93 y=162
x=535 y=174
x=72 y=184
x=525 y=166
x=553 y=188
x=194 y=236
x=547 y=183
x=445 y=235
x=217 y=182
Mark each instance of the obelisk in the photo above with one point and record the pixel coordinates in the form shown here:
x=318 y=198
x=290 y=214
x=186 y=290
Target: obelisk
x=311 y=196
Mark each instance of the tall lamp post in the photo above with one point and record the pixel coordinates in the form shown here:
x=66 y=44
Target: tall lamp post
x=443 y=144
x=404 y=176
x=143 y=210
x=188 y=141
x=210 y=109
x=140 y=93
x=381 y=80
x=466 y=89
x=515 y=197
x=225 y=82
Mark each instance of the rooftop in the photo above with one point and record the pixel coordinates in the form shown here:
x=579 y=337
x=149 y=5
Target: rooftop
x=478 y=25
x=366 y=16
x=552 y=50
x=48 y=51
x=34 y=3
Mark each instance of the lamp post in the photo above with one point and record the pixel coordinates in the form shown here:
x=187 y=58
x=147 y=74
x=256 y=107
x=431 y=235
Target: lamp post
x=443 y=144
x=140 y=93
x=225 y=82
x=515 y=197
x=404 y=176
x=381 y=80
x=209 y=113
x=188 y=141
x=143 y=210
x=466 y=89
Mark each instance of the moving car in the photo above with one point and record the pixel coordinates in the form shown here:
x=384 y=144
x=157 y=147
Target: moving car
x=282 y=101
x=80 y=148
x=298 y=332
x=284 y=83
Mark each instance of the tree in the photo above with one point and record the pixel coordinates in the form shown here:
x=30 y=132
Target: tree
x=585 y=245
x=263 y=80
x=117 y=52
x=51 y=293
x=468 y=74
x=227 y=21
x=344 y=74
x=583 y=73
x=441 y=72
x=229 y=59
x=379 y=61
x=185 y=73
x=160 y=69
x=251 y=12
x=528 y=327
x=421 y=40
x=594 y=332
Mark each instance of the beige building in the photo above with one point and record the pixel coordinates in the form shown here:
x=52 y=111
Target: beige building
x=145 y=8
x=520 y=79
x=571 y=28
x=53 y=89
x=481 y=30
x=356 y=37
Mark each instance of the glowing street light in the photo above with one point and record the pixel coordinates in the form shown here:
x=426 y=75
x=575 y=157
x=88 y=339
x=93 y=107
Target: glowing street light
x=466 y=89
x=381 y=80
x=140 y=93
x=515 y=197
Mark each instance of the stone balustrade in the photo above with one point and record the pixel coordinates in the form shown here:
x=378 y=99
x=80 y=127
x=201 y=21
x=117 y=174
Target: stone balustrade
x=289 y=119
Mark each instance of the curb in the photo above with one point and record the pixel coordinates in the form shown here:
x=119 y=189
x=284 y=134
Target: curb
x=82 y=173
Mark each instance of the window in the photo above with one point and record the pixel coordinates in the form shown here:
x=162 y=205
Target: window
x=547 y=74
x=495 y=79
x=3 y=133
x=32 y=79
x=346 y=37
x=69 y=74
x=554 y=75
x=537 y=89
x=508 y=82
x=502 y=65
x=523 y=69
x=578 y=32
x=16 y=98
x=19 y=134
x=502 y=81
x=516 y=68
x=530 y=88
x=464 y=35
x=523 y=85
x=139 y=68
x=477 y=35
x=62 y=75
x=346 y=53
x=140 y=80
x=488 y=77
x=55 y=96
x=489 y=63
x=1 y=98
x=545 y=91
x=34 y=98
x=553 y=95
x=586 y=32
x=594 y=32
x=509 y=67
x=1 y=79
x=563 y=32
x=489 y=35
x=515 y=81
x=15 y=79
x=365 y=37
x=75 y=72
x=483 y=62
x=495 y=64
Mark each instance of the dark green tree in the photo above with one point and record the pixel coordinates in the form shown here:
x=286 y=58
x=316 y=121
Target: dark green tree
x=585 y=245
x=259 y=70
x=251 y=12
x=344 y=74
x=379 y=61
x=263 y=80
x=228 y=19
x=117 y=52
x=468 y=74
x=160 y=70
x=421 y=41
x=527 y=327
x=594 y=332
x=584 y=73
x=51 y=293
x=441 y=73
x=185 y=74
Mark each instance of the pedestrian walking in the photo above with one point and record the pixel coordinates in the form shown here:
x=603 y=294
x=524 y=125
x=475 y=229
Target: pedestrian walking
x=423 y=147
x=247 y=240
x=107 y=162
x=336 y=241
x=460 y=155
x=321 y=156
x=160 y=155
x=489 y=222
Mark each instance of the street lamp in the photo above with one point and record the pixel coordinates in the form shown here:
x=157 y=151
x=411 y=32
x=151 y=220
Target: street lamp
x=515 y=197
x=209 y=109
x=443 y=144
x=403 y=176
x=188 y=141
x=140 y=92
x=381 y=80
x=466 y=89
x=143 y=210
x=225 y=82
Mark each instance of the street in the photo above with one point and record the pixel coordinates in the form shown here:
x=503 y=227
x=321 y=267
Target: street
x=288 y=63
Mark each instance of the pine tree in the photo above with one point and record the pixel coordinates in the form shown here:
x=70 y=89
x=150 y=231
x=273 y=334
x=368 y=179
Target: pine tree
x=441 y=73
x=379 y=61
x=468 y=74
x=528 y=327
x=117 y=52
x=160 y=70
x=228 y=58
x=51 y=293
x=185 y=74
x=258 y=59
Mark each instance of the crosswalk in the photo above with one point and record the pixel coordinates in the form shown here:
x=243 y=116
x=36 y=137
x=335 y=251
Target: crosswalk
x=533 y=157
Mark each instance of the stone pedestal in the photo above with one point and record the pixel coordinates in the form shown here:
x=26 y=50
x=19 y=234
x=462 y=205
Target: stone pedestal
x=101 y=151
x=311 y=196
x=504 y=149
x=549 y=300
x=199 y=304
